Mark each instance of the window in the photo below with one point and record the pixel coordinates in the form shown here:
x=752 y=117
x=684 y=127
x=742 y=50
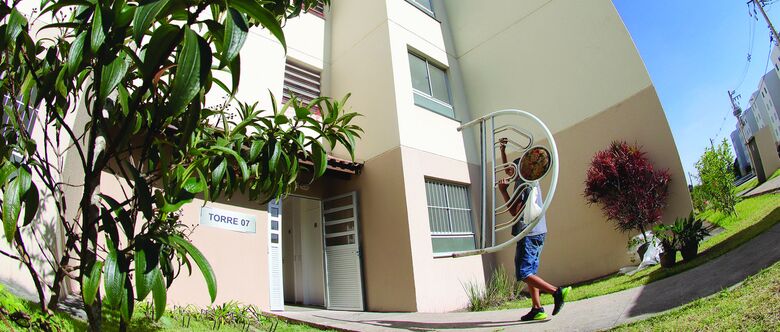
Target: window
x=318 y=10
x=27 y=115
x=300 y=82
x=430 y=85
x=449 y=216
x=424 y=5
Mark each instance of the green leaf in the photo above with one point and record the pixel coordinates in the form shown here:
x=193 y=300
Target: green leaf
x=114 y=279
x=275 y=153
x=123 y=99
x=158 y=293
x=144 y=17
x=5 y=171
x=113 y=74
x=219 y=172
x=76 y=53
x=91 y=282
x=128 y=301
x=186 y=82
x=144 y=271
x=15 y=25
x=12 y=204
x=142 y=191
x=235 y=73
x=320 y=159
x=255 y=149
x=31 y=203
x=109 y=225
x=194 y=185
x=267 y=19
x=98 y=35
x=123 y=13
x=124 y=217
x=241 y=163
x=281 y=119
x=57 y=5
x=236 y=30
x=200 y=260
x=158 y=48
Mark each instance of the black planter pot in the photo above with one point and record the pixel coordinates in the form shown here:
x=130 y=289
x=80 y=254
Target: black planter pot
x=668 y=258
x=689 y=251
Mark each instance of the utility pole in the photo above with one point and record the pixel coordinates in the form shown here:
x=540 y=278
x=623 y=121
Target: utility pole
x=760 y=6
x=737 y=114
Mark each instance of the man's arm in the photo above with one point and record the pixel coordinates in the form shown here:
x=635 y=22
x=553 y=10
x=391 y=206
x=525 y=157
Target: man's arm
x=502 y=147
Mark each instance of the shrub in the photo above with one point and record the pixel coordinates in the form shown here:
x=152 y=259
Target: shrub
x=501 y=288
x=717 y=178
x=630 y=191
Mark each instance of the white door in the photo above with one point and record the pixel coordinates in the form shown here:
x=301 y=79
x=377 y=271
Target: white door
x=344 y=283
x=276 y=276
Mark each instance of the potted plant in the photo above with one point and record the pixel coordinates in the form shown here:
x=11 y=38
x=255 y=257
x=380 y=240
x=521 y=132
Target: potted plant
x=669 y=242
x=690 y=232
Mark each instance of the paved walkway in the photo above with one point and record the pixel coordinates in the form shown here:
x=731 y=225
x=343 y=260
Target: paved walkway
x=765 y=188
x=586 y=315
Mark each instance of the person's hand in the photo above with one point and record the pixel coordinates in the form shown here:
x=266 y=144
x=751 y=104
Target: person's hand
x=502 y=143
x=503 y=184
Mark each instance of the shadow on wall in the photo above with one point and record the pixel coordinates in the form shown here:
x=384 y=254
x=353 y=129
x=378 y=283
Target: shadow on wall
x=718 y=274
x=40 y=240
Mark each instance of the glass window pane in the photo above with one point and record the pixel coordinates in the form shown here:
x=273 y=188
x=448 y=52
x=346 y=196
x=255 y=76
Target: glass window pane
x=419 y=71
x=425 y=4
x=439 y=84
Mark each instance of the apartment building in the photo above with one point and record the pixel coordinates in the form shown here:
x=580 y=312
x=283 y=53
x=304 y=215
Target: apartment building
x=743 y=160
x=769 y=90
x=370 y=234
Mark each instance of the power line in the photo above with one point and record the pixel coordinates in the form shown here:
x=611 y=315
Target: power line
x=751 y=41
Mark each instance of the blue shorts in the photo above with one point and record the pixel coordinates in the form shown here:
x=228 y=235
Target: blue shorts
x=527 y=255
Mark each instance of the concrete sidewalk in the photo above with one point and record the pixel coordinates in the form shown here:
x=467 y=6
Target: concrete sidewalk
x=586 y=315
x=769 y=186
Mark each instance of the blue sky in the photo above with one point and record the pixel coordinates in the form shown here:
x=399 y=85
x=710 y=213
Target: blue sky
x=695 y=51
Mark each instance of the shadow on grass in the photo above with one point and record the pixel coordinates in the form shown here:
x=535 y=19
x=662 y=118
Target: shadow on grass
x=672 y=288
x=732 y=242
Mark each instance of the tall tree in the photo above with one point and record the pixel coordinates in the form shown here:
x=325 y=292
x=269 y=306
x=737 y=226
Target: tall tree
x=717 y=178
x=140 y=73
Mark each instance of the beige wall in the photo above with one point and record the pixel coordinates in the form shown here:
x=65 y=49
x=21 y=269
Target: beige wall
x=359 y=62
x=440 y=282
x=564 y=61
x=768 y=150
x=388 y=272
x=239 y=260
x=581 y=243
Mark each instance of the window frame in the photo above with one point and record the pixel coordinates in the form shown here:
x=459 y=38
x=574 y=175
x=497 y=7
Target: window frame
x=430 y=12
x=452 y=234
x=439 y=106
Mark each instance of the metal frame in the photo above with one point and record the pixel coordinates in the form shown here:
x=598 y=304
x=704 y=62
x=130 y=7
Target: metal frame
x=356 y=210
x=496 y=210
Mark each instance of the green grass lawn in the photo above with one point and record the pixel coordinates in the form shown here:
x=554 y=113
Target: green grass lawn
x=752 y=306
x=173 y=320
x=754 y=216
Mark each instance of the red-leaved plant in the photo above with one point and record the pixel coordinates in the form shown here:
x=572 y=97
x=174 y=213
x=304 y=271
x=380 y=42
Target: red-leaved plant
x=630 y=192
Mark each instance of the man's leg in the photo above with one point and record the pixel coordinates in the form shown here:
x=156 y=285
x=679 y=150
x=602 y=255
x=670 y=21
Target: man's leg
x=535 y=296
x=533 y=281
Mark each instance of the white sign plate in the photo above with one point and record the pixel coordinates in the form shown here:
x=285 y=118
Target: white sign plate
x=230 y=220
